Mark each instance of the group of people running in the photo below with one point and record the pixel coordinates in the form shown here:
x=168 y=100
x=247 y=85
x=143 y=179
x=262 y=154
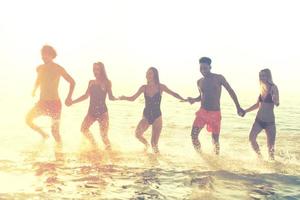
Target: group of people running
x=209 y=115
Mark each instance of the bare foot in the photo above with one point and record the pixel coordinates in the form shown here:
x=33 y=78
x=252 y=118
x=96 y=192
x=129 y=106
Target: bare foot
x=146 y=147
x=198 y=149
x=155 y=150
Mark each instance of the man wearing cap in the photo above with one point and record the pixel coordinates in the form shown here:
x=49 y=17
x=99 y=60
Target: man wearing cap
x=209 y=113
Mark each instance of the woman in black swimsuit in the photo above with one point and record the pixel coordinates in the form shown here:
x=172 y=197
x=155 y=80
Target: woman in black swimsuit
x=152 y=113
x=97 y=91
x=265 y=118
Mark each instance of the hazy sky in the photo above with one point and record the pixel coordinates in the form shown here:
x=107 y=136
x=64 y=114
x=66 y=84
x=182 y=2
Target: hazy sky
x=241 y=37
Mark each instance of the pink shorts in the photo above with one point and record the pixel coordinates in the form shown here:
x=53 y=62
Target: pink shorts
x=212 y=120
x=50 y=108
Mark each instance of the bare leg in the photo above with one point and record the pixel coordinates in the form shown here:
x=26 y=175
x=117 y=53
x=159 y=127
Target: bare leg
x=55 y=129
x=215 y=141
x=86 y=124
x=32 y=114
x=194 y=134
x=140 y=129
x=271 y=134
x=156 y=130
x=104 y=125
x=256 y=129
x=59 y=156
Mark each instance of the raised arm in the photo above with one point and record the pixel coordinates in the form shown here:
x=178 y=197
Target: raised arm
x=71 y=81
x=135 y=96
x=84 y=96
x=170 y=92
x=275 y=95
x=109 y=92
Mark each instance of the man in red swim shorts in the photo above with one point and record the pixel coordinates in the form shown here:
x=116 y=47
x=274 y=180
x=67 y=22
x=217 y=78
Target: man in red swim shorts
x=48 y=75
x=209 y=113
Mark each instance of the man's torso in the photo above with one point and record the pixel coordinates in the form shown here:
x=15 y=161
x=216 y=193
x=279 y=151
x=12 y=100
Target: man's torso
x=210 y=88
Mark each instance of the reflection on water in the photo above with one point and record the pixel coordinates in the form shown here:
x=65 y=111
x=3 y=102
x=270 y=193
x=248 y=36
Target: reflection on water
x=92 y=173
x=31 y=168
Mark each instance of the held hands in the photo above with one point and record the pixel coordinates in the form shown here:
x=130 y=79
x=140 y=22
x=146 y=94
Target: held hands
x=68 y=101
x=190 y=100
x=121 y=98
x=241 y=112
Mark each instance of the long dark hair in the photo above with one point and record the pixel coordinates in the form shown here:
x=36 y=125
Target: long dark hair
x=156 y=76
x=103 y=72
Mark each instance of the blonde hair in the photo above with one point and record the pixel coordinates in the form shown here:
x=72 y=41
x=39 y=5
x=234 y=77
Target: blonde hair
x=269 y=80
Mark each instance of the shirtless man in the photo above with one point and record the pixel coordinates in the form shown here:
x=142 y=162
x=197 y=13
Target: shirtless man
x=49 y=104
x=209 y=113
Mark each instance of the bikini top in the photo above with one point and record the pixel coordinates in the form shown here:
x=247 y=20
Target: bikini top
x=267 y=99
